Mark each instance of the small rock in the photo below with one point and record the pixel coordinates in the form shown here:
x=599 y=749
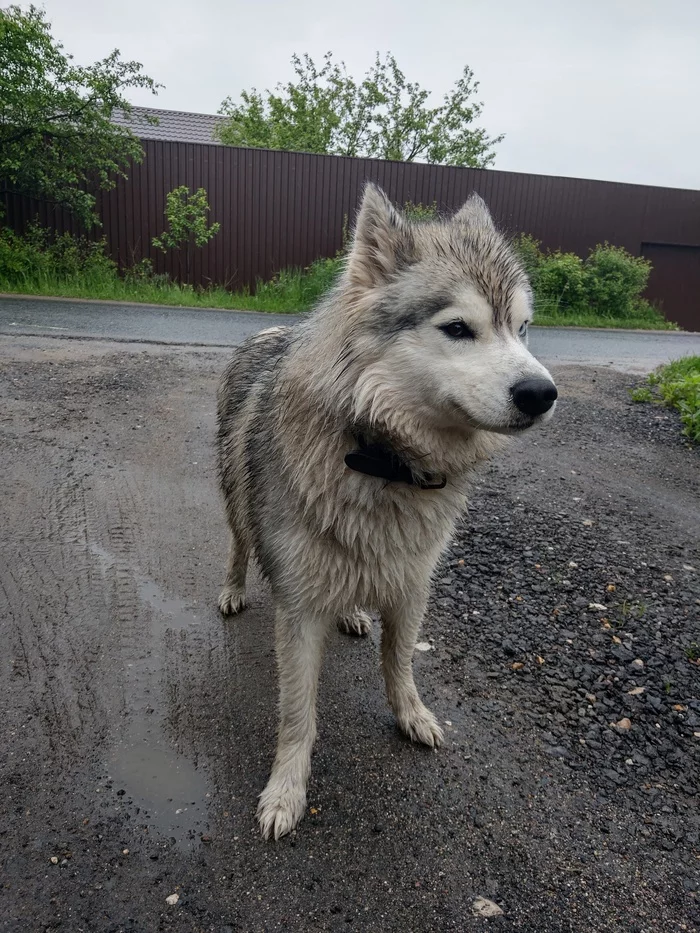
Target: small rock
x=172 y=899
x=597 y=607
x=483 y=907
x=125 y=851
x=587 y=523
x=624 y=724
x=636 y=691
x=54 y=860
x=424 y=646
x=638 y=664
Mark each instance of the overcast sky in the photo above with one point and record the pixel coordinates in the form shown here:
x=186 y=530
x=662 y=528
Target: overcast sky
x=590 y=88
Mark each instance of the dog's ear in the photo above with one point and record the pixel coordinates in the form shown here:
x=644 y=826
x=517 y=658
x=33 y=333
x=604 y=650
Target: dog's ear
x=475 y=213
x=383 y=241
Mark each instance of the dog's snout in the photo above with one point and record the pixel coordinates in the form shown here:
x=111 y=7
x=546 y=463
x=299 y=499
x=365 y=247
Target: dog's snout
x=534 y=396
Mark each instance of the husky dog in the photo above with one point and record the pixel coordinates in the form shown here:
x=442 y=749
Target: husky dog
x=346 y=446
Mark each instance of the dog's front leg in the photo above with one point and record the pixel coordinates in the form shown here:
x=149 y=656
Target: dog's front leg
x=400 y=627
x=299 y=644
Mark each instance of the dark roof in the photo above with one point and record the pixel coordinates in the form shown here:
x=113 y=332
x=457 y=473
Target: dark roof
x=172 y=126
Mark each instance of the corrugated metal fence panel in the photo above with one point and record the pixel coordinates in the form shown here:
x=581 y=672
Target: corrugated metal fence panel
x=280 y=209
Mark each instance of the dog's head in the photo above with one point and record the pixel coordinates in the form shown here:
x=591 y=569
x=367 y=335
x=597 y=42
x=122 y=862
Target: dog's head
x=440 y=315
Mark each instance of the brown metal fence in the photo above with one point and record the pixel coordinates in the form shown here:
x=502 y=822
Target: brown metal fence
x=281 y=209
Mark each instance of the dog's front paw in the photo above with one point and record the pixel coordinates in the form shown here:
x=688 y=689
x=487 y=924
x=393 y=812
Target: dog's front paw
x=232 y=600
x=356 y=623
x=281 y=806
x=418 y=723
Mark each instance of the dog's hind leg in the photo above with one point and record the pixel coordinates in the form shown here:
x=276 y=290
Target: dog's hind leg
x=232 y=597
x=356 y=623
x=400 y=626
x=299 y=644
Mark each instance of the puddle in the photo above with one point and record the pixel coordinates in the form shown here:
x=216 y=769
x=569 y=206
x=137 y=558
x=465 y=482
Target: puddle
x=170 y=791
x=176 y=613
x=164 y=784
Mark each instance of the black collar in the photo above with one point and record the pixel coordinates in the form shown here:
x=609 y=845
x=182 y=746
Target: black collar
x=380 y=459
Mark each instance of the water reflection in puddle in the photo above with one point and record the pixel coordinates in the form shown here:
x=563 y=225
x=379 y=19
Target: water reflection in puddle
x=142 y=761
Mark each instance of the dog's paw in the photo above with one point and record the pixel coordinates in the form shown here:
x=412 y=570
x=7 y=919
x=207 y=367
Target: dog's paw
x=232 y=600
x=356 y=623
x=281 y=806
x=418 y=723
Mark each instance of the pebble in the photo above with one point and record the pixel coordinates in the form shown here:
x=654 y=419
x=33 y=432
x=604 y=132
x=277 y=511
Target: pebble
x=638 y=664
x=424 y=646
x=624 y=724
x=483 y=907
x=54 y=860
x=172 y=899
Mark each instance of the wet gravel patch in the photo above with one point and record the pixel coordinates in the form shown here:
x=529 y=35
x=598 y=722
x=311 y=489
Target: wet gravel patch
x=555 y=588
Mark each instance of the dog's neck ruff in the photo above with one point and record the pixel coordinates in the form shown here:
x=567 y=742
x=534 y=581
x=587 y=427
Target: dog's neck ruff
x=378 y=458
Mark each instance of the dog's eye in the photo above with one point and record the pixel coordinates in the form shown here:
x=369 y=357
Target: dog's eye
x=458 y=330
x=523 y=329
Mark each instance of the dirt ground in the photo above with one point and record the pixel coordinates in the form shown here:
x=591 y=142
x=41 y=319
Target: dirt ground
x=138 y=726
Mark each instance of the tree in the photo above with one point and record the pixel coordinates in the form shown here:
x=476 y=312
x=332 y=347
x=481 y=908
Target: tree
x=186 y=214
x=57 y=141
x=382 y=116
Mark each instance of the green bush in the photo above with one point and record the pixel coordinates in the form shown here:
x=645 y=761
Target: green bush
x=59 y=257
x=677 y=385
x=561 y=284
x=606 y=286
x=615 y=281
x=531 y=256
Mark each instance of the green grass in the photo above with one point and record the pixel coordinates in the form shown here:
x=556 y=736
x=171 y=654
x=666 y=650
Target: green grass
x=677 y=385
x=644 y=317
x=291 y=292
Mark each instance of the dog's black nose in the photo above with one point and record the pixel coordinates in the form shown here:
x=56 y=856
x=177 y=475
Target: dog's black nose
x=534 y=396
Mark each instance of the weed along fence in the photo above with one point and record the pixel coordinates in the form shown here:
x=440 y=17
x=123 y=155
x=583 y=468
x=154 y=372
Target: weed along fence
x=285 y=209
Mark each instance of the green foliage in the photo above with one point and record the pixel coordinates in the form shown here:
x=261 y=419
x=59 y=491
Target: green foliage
x=602 y=290
x=186 y=214
x=383 y=116
x=42 y=256
x=615 y=280
x=294 y=290
x=57 y=141
x=38 y=264
x=419 y=212
x=561 y=283
x=641 y=394
x=677 y=385
x=528 y=249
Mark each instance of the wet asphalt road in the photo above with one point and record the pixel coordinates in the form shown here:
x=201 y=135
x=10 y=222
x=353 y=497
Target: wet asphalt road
x=628 y=351
x=138 y=727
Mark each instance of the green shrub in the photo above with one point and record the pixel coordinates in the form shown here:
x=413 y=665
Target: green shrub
x=531 y=256
x=419 y=211
x=614 y=281
x=60 y=257
x=678 y=385
x=560 y=284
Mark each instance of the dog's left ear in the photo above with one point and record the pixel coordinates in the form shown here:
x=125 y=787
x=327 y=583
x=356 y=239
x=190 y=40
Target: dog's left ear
x=383 y=241
x=474 y=212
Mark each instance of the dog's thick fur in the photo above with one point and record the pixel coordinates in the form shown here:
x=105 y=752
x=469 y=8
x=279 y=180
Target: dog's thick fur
x=379 y=358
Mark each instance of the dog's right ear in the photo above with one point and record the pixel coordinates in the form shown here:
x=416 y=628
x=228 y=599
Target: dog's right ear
x=383 y=241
